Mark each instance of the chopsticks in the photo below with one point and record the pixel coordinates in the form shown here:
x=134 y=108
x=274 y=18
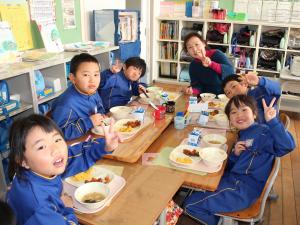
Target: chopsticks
x=144 y=92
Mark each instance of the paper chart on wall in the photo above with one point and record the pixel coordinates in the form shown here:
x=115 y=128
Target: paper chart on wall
x=42 y=9
x=68 y=8
x=18 y=18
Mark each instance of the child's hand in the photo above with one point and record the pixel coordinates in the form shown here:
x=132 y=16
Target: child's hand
x=239 y=147
x=206 y=62
x=188 y=91
x=112 y=137
x=142 y=89
x=250 y=79
x=97 y=119
x=67 y=200
x=270 y=111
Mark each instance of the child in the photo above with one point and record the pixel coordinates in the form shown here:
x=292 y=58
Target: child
x=264 y=89
x=6 y=214
x=80 y=107
x=208 y=68
x=249 y=163
x=38 y=158
x=118 y=89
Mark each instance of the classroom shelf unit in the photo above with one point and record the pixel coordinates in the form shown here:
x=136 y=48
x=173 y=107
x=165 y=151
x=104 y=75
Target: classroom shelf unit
x=166 y=70
x=21 y=80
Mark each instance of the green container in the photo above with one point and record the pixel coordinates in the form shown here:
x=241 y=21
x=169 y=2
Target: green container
x=237 y=16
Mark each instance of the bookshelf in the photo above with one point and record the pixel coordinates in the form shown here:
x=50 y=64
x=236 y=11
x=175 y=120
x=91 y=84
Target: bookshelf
x=253 y=50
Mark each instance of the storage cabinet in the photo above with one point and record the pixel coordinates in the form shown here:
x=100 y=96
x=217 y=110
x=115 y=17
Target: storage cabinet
x=21 y=80
x=278 y=55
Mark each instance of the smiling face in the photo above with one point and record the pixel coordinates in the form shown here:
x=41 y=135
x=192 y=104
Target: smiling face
x=87 y=77
x=196 y=48
x=233 y=88
x=45 y=153
x=241 y=117
x=132 y=73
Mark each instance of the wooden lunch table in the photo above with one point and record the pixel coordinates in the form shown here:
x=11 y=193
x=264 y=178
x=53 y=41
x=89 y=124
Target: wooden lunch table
x=149 y=188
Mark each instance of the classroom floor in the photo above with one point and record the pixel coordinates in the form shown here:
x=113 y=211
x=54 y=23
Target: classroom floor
x=286 y=209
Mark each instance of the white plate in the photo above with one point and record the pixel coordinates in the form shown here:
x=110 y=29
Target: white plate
x=120 y=123
x=178 y=153
x=97 y=172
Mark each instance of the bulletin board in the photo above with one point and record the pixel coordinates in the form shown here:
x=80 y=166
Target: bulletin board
x=67 y=35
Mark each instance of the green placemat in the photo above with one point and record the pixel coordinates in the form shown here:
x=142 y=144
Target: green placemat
x=163 y=160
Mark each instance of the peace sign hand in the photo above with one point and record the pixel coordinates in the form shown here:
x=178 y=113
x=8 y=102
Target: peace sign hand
x=112 y=137
x=250 y=78
x=270 y=111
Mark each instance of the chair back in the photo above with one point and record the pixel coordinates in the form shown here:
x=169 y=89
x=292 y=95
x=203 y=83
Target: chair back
x=285 y=119
x=256 y=211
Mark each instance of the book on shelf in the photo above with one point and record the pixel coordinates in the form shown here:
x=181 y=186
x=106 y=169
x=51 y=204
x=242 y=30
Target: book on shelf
x=8 y=45
x=86 y=46
x=50 y=35
x=36 y=55
x=169 y=50
x=169 y=30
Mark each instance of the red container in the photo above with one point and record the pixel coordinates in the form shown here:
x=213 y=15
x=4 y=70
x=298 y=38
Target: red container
x=159 y=113
x=219 y=14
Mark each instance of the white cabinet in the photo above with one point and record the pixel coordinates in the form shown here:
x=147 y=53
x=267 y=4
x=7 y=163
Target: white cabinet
x=167 y=38
x=21 y=80
x=20 y=77
x=168 y=69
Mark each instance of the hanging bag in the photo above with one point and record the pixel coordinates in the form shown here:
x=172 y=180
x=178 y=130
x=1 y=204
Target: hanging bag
x=4 y=131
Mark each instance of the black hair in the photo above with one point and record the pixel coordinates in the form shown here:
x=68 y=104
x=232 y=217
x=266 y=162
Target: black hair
x=232 y=77
x=138 y=63
x=17 y=139
x=240 y=100
x=6 y=214
x=81 y=58
x=189 y=36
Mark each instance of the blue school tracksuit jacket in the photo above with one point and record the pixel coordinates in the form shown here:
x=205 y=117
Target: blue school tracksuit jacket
x=267 y=89
x=71 y=111
x=115 y=89
x=245 y=175
x=35 y=199
x=206 y=79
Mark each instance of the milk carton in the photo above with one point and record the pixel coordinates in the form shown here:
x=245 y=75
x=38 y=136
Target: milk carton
x=164 y=98
x=194 y=137
x=139 y=114
x=203 y=119
x=193 y=100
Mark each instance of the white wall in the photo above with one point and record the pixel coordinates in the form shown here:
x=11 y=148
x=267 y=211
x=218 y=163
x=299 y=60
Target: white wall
x=87 y=7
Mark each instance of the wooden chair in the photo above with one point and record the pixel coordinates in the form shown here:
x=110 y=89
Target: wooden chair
x=285 y=119
x=256 y=211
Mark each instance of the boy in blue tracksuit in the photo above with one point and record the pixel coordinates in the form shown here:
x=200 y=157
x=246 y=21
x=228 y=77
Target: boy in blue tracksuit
x=264 y=88
x=116 y=89
x=38 y=161
x=80 y=107
x=249 y=164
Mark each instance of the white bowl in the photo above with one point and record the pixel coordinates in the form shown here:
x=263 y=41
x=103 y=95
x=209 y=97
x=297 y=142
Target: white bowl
x=223 y=98
x=214 y=140
x=120 y=112
x=221 y=119
x=207 y=97
x=155 y=90
x=88 y=188
x=212 y=157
